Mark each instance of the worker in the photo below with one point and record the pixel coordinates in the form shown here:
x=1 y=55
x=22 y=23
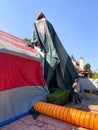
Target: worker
x=76 y=87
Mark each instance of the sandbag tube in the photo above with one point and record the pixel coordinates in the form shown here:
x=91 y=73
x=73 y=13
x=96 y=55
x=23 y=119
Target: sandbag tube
x=77 y=117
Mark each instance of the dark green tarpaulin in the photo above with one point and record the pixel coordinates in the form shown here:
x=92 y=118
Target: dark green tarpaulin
x=59 y=70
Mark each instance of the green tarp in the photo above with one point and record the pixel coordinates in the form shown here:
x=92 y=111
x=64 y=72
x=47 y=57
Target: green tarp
x=59 y=70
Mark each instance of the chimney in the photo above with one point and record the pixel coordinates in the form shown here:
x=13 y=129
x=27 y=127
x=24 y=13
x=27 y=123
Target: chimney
x=81 y=63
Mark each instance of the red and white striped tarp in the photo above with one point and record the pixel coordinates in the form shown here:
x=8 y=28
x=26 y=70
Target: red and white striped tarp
x=21 y=77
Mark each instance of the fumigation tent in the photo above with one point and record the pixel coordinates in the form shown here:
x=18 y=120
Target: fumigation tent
x=22 y=83
x=27 y=74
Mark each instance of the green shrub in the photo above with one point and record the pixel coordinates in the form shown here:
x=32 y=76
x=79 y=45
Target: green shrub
x=55 y=89
x=58 y=96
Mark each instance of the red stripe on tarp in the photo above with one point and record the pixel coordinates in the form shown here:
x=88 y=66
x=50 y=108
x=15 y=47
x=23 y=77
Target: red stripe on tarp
x=17 y=72
x=16 y=39
x=19 y=46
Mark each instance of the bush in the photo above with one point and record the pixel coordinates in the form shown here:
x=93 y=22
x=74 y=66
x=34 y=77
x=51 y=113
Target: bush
x=59 y=96
x=95 y=75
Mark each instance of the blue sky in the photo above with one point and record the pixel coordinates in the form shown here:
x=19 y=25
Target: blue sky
x=75 y=21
